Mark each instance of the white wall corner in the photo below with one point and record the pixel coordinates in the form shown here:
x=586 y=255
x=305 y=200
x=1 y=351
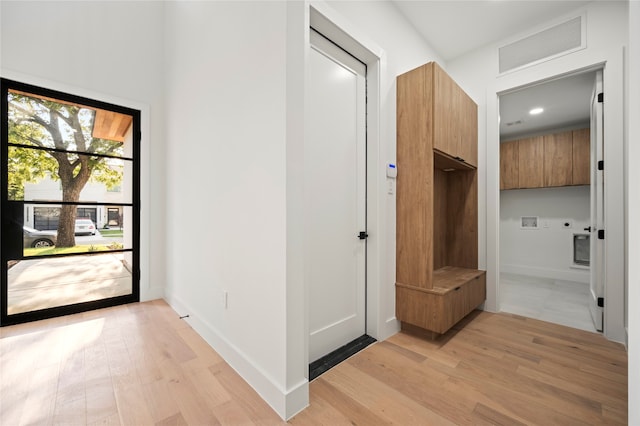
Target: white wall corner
x=283 y=401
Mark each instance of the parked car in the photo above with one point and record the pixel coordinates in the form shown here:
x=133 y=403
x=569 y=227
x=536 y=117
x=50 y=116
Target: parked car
x=85 y=227
x=34 y=238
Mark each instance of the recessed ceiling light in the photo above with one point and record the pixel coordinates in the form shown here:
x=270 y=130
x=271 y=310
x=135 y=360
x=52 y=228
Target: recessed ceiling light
x=536 y=111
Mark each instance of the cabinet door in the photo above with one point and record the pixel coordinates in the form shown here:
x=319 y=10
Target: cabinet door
x=446 y=132
x=581 y=157
x=468 y=124
x=531 y=162
x=558 y=159
x=509 y=165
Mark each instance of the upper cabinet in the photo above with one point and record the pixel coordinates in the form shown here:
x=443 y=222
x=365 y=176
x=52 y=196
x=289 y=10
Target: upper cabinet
x=558 y=159
x=581 y=157
x=531 y=162
x=455 y=118
x=509 y=165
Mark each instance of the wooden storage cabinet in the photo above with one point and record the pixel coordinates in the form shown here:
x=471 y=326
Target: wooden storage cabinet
x=531 y=163
x=457 y=292
x=558 y=159
x=455 y=118
x=581 y=157
x=437 y=281
x=509 y=167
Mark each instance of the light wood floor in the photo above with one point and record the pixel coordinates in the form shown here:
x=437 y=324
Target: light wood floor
x=140 y=365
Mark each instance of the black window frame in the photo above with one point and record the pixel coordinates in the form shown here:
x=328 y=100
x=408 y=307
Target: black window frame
x=7 y=205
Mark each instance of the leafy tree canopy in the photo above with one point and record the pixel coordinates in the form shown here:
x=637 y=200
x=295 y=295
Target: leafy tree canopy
x=58 y=127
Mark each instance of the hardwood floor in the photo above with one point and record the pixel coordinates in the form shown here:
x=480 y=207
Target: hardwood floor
x=497 y=369
x=140 y=365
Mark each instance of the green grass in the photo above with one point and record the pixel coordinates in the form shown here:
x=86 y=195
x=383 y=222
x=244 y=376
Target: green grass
x=111 y=232
x=64 y=250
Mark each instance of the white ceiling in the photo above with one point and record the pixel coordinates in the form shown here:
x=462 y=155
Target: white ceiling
x=453 y=28
x=566 y=102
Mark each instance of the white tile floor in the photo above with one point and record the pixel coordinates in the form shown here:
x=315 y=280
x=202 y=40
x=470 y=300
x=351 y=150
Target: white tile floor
x=557 y=301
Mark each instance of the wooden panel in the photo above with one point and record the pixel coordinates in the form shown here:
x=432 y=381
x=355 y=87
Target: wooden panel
x=414 y=202
x=462 y=219
x=531 y=162
x=581 y=157
x=111 y=125
x=440 y=216
x=446 y=132
x=558 y=159
x=436 y=311
x=468 y=124
x=446 y=162
x=447 y=278
x=509 y=165
x=462 y=300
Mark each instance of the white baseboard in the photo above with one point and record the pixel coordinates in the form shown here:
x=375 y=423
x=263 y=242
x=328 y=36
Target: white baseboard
x=576 y=275
x=285 y=402
x=390 y=327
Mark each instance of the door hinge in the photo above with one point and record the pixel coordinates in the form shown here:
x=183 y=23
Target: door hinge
x=601 y=302
x=601 y=97
x=601 y=165
x=363 y=235
x=601 y=234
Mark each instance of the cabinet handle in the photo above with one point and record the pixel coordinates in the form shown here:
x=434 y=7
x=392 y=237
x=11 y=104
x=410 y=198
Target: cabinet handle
x=456 y=289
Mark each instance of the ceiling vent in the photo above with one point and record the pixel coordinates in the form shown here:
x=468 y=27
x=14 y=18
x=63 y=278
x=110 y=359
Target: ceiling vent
x=558 y=40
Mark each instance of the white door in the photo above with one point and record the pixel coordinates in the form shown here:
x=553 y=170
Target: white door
x=335 y=197
x=597 y=207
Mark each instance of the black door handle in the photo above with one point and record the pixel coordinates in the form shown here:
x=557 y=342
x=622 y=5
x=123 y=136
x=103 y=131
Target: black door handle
x=363 y=235
x=588 y=229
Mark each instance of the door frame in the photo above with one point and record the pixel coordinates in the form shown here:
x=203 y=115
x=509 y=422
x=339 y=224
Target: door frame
x=612 y=64
x=331 y=25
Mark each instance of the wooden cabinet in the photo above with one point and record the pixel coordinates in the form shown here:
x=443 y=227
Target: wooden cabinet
x=455 y=118
x=558 y=159
x=436 y=203
x=457 y=292
x=509 y=167
x=531 y=162
x=581 y=157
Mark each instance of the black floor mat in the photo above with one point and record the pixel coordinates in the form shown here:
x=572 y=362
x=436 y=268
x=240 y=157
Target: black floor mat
x=328 y=361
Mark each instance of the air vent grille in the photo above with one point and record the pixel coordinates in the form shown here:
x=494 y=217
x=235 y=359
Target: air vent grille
x=553 y=41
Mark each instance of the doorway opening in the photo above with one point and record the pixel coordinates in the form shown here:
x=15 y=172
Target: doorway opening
x=69 y=170
x=550 y=146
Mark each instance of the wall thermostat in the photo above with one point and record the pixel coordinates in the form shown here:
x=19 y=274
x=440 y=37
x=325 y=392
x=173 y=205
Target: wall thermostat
x=392 y=171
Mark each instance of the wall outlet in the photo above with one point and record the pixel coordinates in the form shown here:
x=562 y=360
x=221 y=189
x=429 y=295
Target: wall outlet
x=567 y=223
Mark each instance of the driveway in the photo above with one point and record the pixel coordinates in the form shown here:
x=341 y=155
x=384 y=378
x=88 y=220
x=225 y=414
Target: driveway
x=45 y=283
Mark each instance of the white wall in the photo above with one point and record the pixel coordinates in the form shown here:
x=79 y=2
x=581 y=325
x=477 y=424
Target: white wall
x=242 y=113
x=634 y=212
x=547 y=251
x=477 y=72
x=110 y=51
x=226 y=99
